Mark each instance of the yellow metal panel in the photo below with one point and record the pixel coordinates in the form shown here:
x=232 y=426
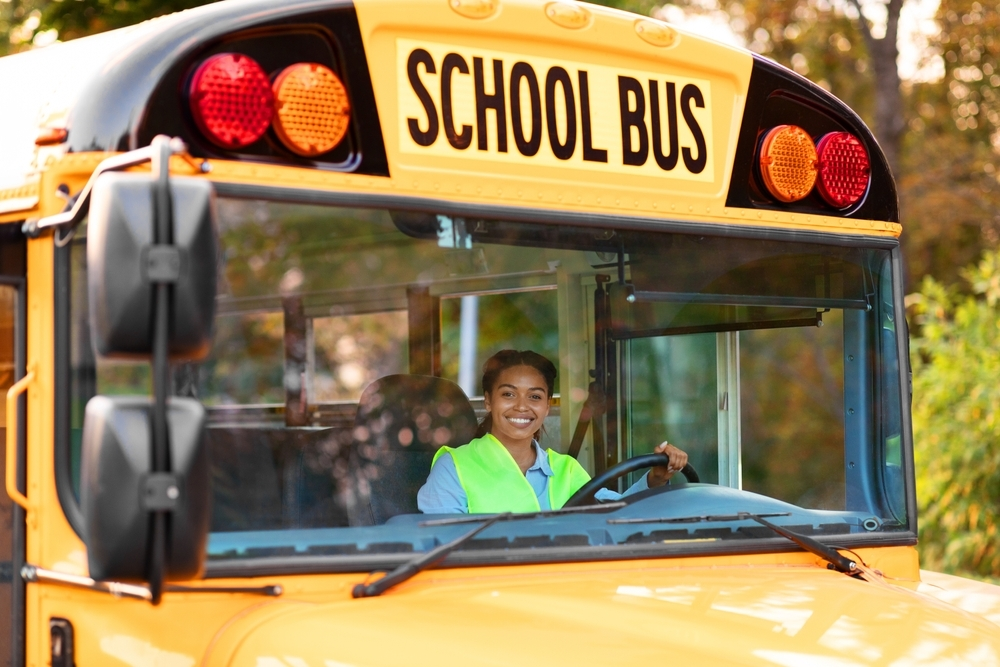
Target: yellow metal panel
x=975 y=597
x=209 y=629
x=45 y=507
x=724 y=611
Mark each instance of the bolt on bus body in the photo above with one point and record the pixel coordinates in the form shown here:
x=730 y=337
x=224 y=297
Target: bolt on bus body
x=254 y=256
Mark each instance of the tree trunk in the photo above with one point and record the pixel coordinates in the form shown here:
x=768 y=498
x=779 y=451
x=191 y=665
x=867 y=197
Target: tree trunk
x=890 y=122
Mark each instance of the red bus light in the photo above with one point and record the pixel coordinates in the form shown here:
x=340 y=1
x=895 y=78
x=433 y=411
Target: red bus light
x=312 y=109
x=788 y=163
x=231 y=100
x=844 y=169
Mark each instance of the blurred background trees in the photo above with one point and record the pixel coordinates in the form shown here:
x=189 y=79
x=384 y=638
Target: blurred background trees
x=31 y=23
x=956 y=415
x=939 y=124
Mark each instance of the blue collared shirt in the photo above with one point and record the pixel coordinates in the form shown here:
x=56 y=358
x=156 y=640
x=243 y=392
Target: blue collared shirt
x=443 y=493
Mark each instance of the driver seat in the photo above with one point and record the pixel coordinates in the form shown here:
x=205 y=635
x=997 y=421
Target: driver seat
x=402 y=421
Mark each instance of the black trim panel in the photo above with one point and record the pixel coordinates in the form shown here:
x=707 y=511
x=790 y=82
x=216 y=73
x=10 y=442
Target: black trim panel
x=142 y=95
x=63 y=388
x=778 y=96
x=906 y=388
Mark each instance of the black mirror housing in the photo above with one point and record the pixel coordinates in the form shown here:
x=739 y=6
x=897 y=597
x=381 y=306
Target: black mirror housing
x=123 y=266
x=118 y=489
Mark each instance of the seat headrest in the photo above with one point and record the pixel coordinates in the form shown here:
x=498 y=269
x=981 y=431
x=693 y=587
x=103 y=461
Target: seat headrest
x=402 y=421
x=415 y=412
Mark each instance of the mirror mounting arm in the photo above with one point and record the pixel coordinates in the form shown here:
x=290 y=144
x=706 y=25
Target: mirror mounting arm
x=79 y=204
x=33 y=574
x=162 y=227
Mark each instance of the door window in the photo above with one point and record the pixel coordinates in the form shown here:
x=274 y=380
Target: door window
x=9 y=537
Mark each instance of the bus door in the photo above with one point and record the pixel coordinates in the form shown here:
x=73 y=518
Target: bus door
x=12 y=360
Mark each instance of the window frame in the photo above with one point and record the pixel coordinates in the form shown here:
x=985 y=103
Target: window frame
x=328 y=564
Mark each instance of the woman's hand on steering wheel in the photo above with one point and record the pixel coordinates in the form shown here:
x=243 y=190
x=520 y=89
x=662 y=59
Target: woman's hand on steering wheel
x=660 y=475
x=662 y=459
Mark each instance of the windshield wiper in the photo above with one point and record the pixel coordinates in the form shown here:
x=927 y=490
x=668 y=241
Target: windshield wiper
x=829 y=554
x=436 y=555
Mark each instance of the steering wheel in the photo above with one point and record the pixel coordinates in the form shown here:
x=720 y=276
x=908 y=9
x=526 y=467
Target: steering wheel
x=585 y=495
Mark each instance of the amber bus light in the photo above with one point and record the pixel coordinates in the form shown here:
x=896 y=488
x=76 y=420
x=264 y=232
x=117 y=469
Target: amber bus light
x=844 y=169
x=231 y=100
x=312 y=109
x=788 y=163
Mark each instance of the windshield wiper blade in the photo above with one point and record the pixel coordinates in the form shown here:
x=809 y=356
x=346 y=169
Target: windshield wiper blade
x=827 y=553
x=422 y=562
x=436 y=555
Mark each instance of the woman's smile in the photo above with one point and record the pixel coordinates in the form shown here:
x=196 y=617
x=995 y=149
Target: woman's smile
x=518 y=405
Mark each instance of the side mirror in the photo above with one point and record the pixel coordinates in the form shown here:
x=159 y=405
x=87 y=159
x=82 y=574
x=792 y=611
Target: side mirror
x=123 y=265
x=152 y=273
x=118 y=488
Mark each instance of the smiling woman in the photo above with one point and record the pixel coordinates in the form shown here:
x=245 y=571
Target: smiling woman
x=517 y=387
x=505 y=469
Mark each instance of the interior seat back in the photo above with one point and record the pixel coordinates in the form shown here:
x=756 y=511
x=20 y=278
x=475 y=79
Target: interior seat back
x=402 y=421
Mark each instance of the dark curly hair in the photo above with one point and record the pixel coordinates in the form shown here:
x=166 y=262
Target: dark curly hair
x=505 y=359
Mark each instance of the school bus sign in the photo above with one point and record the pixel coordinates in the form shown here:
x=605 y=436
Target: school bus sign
x=515 y=108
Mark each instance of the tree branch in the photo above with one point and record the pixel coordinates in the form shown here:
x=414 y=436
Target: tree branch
x=866 y=31
x=893 y=10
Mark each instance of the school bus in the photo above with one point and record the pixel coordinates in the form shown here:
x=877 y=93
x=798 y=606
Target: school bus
x=254 y=255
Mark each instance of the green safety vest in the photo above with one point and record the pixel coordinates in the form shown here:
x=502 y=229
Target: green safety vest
x=494 y=483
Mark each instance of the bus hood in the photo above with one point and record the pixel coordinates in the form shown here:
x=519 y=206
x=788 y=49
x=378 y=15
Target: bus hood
x=769 y=615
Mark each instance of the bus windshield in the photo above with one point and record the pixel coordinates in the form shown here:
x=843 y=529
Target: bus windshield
x=773 y=364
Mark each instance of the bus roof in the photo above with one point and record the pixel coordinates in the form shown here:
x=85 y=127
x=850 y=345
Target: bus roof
x=115 y=91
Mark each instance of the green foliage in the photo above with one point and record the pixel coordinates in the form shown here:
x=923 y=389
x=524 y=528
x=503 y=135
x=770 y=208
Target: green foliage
x=76 y=18
x=20 y=22
x=27 y=23
x=948 y=190
x=956 y=421
x=948 y=184
x=971 y=50
x=643 y=7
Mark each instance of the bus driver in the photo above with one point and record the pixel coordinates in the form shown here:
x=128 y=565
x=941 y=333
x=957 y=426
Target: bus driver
x=505 y=469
